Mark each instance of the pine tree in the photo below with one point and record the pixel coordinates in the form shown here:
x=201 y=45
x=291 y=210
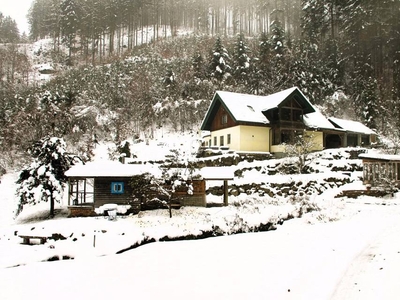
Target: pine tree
x=43 y=180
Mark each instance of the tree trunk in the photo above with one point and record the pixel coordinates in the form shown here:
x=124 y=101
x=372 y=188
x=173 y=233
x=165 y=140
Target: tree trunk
x=51 y=207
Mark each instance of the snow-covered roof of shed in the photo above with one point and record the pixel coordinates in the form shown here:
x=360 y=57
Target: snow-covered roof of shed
x=351 y=126
x=217 y=173
x=106 y=168
x=379 y=156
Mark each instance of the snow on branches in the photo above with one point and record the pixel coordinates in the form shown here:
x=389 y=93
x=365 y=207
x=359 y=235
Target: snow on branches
x=44 y=178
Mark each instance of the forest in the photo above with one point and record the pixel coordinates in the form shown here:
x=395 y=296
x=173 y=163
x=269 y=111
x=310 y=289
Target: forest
x=128 y=67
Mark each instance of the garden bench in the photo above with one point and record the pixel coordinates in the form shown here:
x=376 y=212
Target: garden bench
x=27 y=239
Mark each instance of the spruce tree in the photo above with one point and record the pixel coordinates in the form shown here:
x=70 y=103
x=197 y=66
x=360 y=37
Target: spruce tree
x=242 y=61
x=69 y=21
x=220 y=68
x=44 y=179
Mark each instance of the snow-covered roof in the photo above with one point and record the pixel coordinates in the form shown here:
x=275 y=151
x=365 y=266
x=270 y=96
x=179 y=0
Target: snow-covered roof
x=317 y=120
x=244 y=107
x=105 y=168
x=351 y=126
x=251 y=108
x=380 y=156
x=217 y=173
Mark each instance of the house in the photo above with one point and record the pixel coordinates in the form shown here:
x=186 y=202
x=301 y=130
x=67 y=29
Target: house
x=101 y=183
x=244 y=122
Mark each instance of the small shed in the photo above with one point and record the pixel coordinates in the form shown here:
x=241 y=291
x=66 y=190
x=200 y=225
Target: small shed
x=380 y=169
x=98 y=183
x=221 y=174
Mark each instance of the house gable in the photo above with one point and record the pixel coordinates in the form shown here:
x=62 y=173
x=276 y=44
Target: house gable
x=241 y=108
x=290 y=109
x=222 y=118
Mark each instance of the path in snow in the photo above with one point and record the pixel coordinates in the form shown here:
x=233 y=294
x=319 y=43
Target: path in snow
x=375 y=272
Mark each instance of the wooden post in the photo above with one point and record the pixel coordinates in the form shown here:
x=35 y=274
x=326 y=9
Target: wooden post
x=69 y=191
x=225 y=192
x=84 y=190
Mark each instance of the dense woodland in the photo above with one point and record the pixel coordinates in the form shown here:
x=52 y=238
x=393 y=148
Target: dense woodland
x=128 y=67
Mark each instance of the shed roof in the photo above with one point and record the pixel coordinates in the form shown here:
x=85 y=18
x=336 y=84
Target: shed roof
x=217 y=173
x=106 y=168
x=379 y=157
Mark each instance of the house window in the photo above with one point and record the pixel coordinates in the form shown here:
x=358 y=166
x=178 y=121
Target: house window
x=117 y=187
x=297 y=113
x=286 y=114
x=365 y=140
x=224 y=119
x=215 y=141
x=221 y=140
x=286 y=136
x=228 y=139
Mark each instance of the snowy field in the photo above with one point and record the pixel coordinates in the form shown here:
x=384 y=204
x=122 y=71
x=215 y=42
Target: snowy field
x=347 y=249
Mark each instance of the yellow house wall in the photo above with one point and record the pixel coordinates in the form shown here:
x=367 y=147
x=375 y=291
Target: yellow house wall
x=244 y=138
x=317 y=142
x=235 y=137
x=254 y=138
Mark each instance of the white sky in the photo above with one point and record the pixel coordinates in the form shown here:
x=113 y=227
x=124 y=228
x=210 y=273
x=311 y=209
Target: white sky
x=17 y=9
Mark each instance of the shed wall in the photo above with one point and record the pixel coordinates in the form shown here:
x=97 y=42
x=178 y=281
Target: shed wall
x=103 y=195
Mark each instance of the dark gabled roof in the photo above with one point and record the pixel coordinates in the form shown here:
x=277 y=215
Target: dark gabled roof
x=252 y=108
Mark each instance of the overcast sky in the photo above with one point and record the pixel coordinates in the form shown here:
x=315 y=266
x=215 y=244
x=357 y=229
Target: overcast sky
x=17 y=10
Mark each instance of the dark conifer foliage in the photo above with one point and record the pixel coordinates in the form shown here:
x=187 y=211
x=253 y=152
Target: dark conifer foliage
x=9 y=32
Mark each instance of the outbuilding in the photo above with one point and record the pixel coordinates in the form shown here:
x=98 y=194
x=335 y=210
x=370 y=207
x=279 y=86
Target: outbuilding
x=95 y=184
x=381 y=169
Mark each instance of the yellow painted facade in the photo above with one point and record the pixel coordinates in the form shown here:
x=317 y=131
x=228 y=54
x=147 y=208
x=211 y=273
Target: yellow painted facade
x=317 y=140
x=254 y=138
x=242 y=138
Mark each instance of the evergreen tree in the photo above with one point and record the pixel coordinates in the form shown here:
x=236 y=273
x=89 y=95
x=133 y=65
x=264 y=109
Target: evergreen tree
x=277 y=40
x=370 y=101
x=198 y=66
x=279 y=63
x=364 y=92
x=43 y=180
x=9 y=32
x=69 y=22
x=220 y=68
x=242 y=66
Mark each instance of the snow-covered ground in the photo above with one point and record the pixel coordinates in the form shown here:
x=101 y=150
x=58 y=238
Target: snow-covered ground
x=347 y=249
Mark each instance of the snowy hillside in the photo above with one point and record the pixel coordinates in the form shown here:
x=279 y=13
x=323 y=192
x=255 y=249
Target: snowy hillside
x=328 y=226
x=260 y=202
